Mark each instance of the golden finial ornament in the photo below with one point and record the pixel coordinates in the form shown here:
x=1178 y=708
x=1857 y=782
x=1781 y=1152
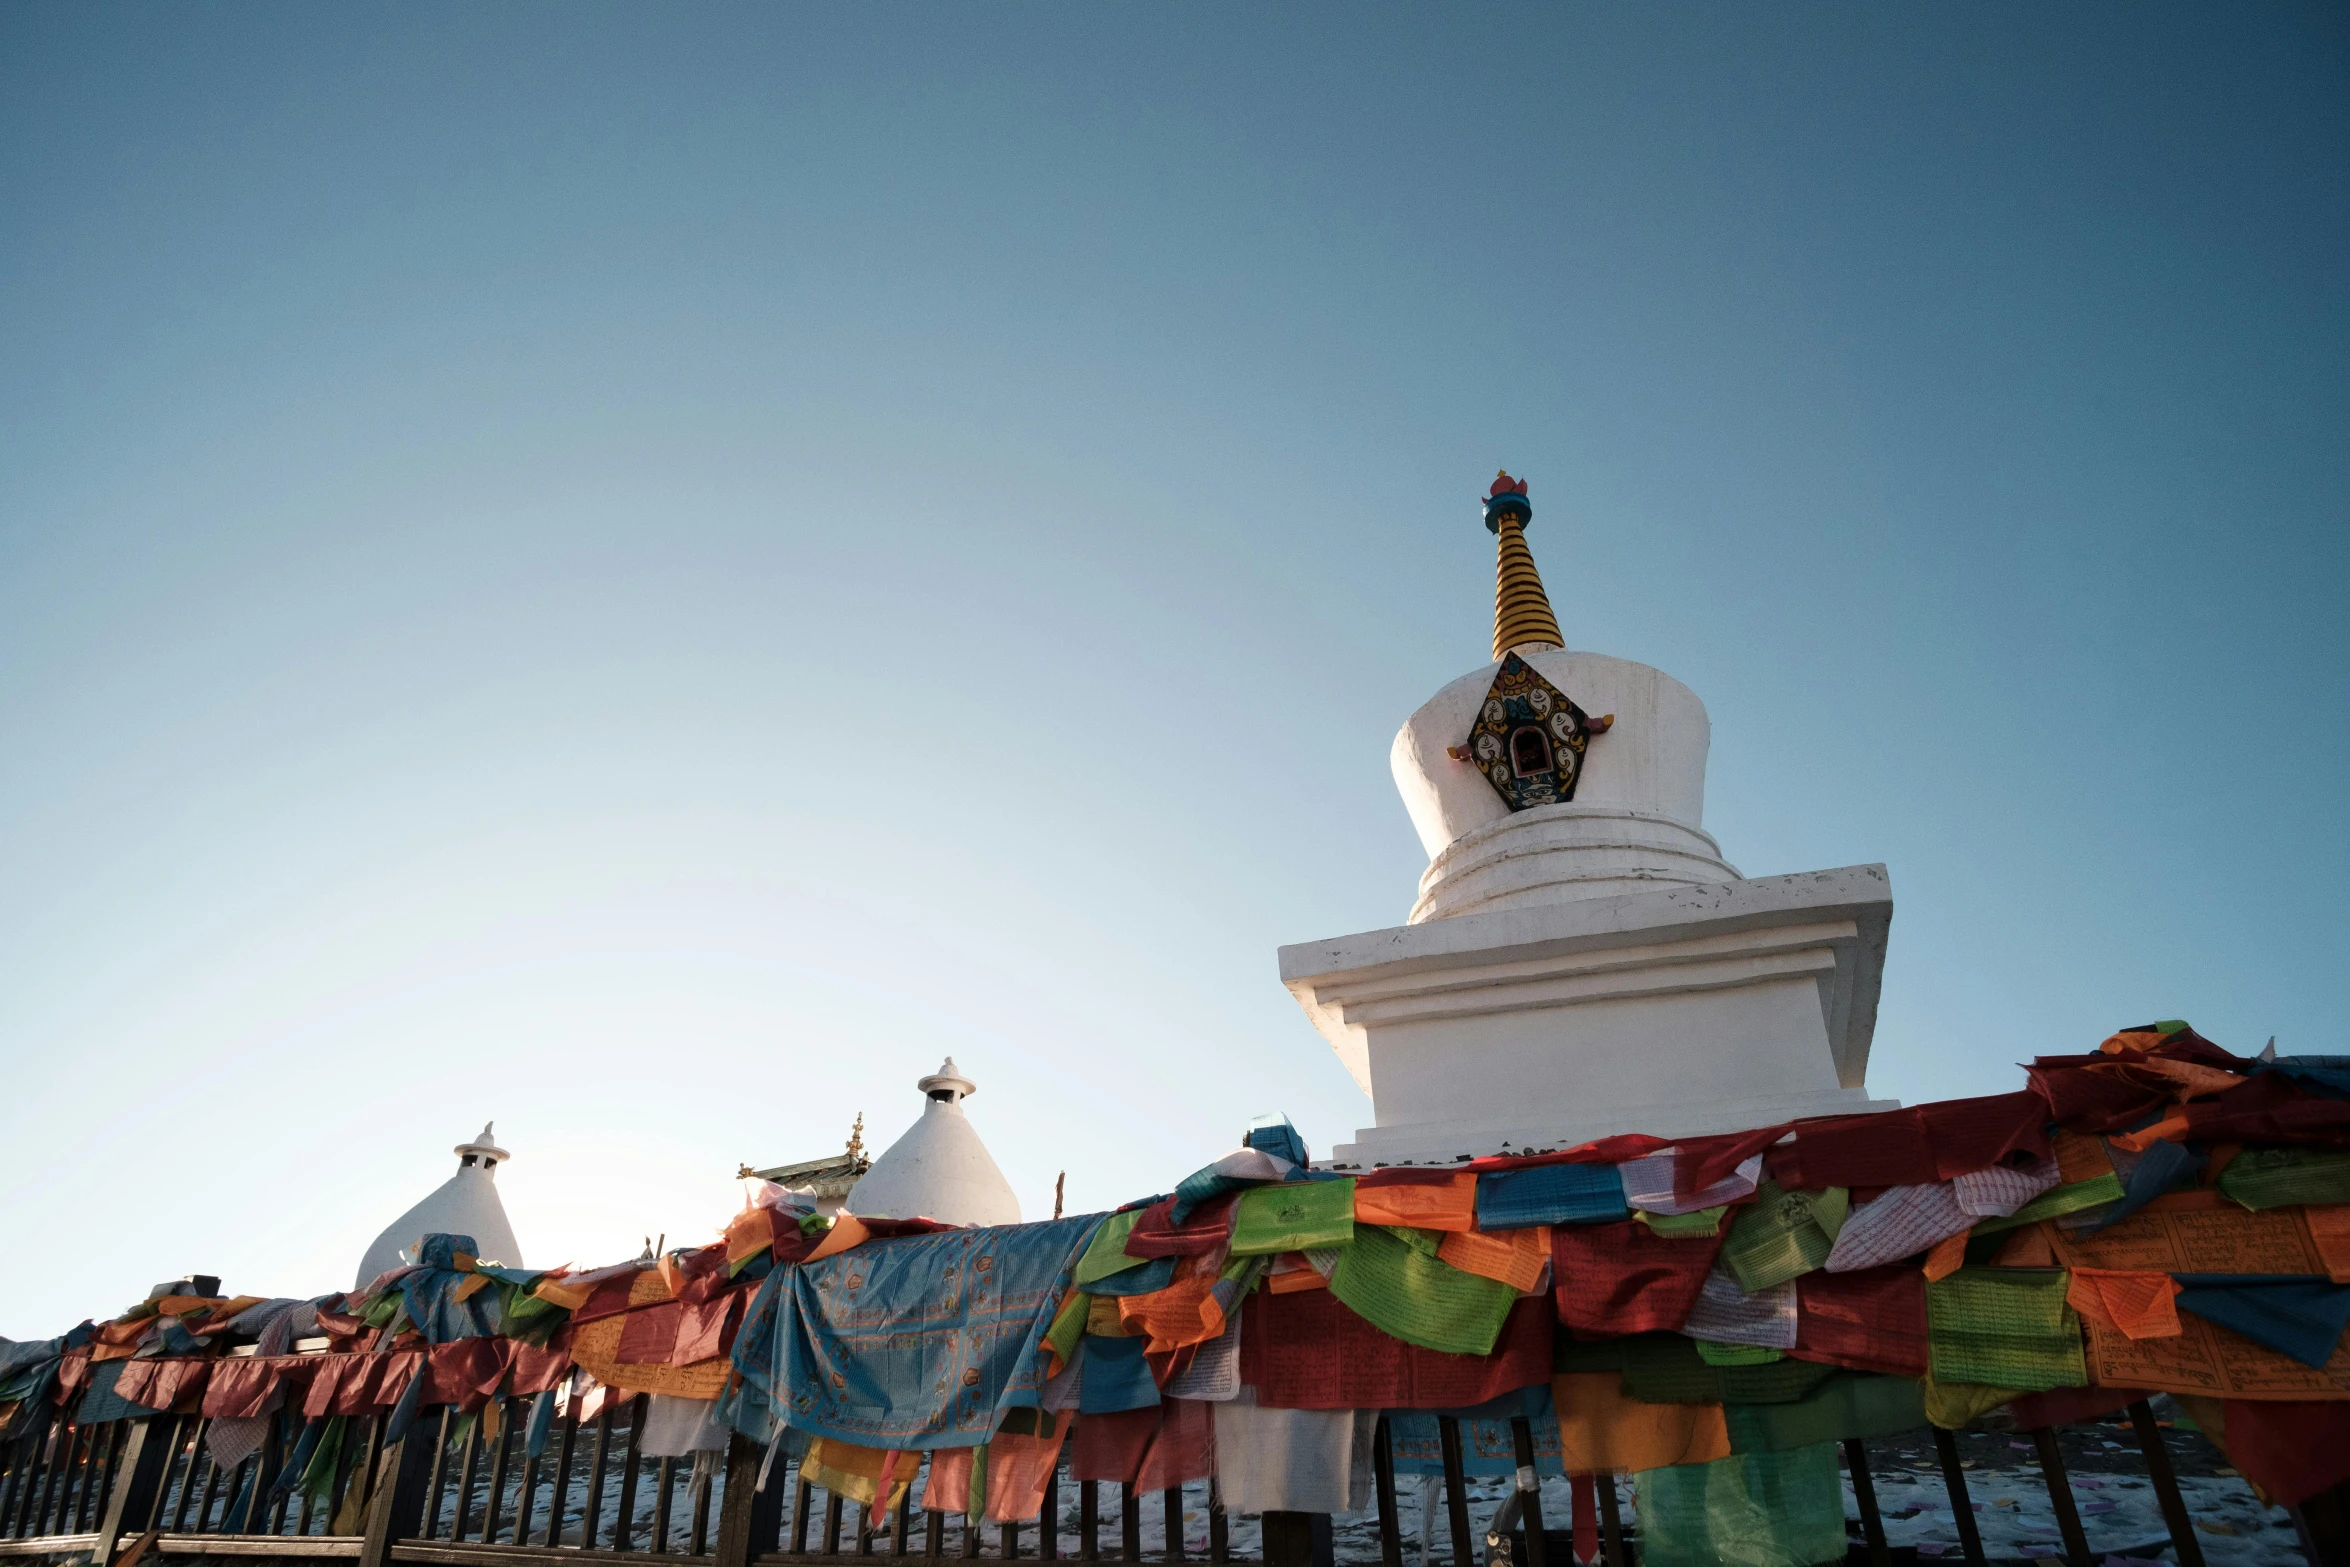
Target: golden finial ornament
x=857 y=1137
x=1521 y=610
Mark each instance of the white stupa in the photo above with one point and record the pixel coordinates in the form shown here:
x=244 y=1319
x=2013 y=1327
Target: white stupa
x=1581 y=960
x=939 y=1169
x=465 y=1204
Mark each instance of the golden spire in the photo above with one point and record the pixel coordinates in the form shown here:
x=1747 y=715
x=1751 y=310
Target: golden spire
x=857 y=1138
x=1521 y=610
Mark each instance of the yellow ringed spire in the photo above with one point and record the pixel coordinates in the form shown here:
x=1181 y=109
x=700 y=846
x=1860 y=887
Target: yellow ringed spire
x=1521 y=610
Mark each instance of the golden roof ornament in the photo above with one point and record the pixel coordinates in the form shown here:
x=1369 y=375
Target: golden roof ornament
x=857 y=1139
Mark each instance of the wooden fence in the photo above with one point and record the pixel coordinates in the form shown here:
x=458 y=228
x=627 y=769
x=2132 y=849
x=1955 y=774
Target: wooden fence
x=118 y=1493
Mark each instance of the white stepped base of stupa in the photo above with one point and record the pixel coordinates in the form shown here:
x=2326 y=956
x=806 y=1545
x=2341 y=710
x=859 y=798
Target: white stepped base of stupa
x=1678 y=1012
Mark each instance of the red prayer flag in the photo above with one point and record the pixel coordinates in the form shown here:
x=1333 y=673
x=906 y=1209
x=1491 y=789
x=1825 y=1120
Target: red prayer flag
x=1110 y=1447
x=2292 y=1451
x=1308 y=1351
x=1967 y=1135
x=1888 y=1148
x=1625 y=1278
x=1872 y=1319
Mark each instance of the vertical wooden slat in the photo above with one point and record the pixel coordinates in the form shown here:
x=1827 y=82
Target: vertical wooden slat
x=117 y=1433
x=59 y=1496
x=2166 y=1485
x=1456 y=1491
x=624 y=1528
x=934 y=1534
x=900 y=1545
x=1129 y=1522
x=2060 y=1497
x=592 y=1513
x=438 y=1491
x=12 y=1456
x=1611 y=1524
x=1219 y=1526
x=493 y=1512
x=970 y=1535
x=1171 y=1506
x=371 y=1462
x=1864 y=1496
x=748 y=1518
x=395 y=1508
x=1962 y=1507
x=664 y=1485
x=559 y=1497
x=803 y=1500
x=212 y=1478
x=146 y=1456
x=832 y=1518
x=1530 y=1494
x=1383 y=1478
x=1089 y=1521
x=1008 y=1540
x=697 y=1538
x=1048 y=1538
x=468 y=1466
x=197 y=1459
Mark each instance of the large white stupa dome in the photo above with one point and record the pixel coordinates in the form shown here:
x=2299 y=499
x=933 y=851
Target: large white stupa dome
x=1622 y=814
x=939 y=1169
x=465 y=1204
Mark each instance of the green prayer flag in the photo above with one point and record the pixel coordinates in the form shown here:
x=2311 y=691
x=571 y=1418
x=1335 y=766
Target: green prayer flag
x=1292 y=1216
x=1105 y=1254
x=1069 y=1324
x=1705 y=1221
x=1850 y=1403
x=1773 y=1509
x=1782 y=1234
x=1665 y=1368
x=1954 y=1405
x=2008 y=1327
x=2057 y=1201
x=1410 y=1295
x=1568 y=1355
x=2281 y=1177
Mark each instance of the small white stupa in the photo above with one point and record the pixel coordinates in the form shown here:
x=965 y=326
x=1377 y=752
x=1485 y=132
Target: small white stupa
x=465 y=1204
x=939 y=1169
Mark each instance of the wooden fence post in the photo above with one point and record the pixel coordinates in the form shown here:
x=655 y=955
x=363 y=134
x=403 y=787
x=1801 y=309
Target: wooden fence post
x=396 y=1508
x=748 y=1518
x=135 y=1488
x=1296 y=1539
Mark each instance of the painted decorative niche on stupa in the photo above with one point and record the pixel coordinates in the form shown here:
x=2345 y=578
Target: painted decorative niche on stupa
x=1530 y=737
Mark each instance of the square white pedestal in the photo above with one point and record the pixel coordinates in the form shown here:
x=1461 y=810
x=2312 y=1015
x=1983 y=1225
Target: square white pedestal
x=1677 y=1012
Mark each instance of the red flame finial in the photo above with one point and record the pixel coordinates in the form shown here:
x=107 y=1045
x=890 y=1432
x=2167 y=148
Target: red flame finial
x=1503 y=484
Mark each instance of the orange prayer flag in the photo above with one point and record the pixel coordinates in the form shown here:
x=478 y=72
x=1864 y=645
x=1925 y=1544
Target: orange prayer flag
x=1450 y=1206
x=2080 y=1157
x=1185 y=1312
x=1947 y=1257
x=2137 y=1305
x=2173 y=1127
x=1602 y=1429
x=1515 y=1257
x=847 y=1230
x=2329 y=1226
x=2027 y=1247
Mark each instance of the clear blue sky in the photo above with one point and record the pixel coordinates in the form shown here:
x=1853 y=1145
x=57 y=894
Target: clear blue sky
x=649 y=572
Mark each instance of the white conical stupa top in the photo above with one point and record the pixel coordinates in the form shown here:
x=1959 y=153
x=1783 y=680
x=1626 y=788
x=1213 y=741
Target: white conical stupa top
x=465 y=1204
x=939 y=1169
